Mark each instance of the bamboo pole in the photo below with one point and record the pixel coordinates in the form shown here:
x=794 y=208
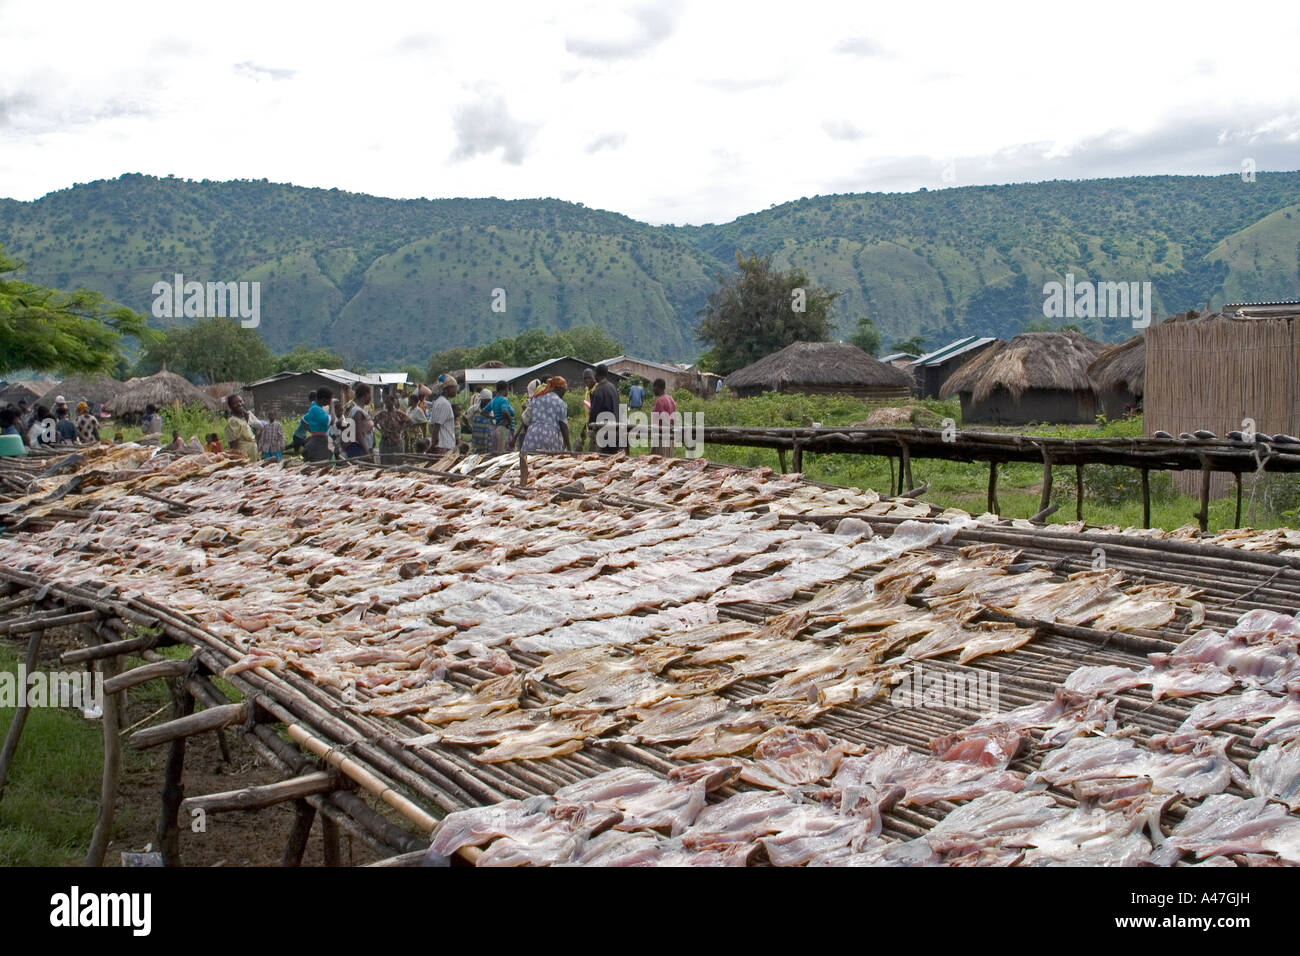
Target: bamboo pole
x=44 y=620
x=1078 y=492
x=1237 y=521
x=112 y=769
x=329 y=831
x=113 y=649
x=363 y=777
x=1146 y=497
x=20 y=713
x=1203 y=516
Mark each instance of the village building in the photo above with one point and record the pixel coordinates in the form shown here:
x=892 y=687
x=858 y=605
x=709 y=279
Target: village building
x=1036 y=377
x=821 y=368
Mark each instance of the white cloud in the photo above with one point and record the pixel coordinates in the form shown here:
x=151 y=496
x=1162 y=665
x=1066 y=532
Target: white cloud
x=484 y=126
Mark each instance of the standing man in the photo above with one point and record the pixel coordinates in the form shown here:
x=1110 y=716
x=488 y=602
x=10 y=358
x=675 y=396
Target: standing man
x=604 y=402
x=152 y=421
x=635 y=396
x=363 y=426
x=419 y=421
x=442 y=418
x=239 y=433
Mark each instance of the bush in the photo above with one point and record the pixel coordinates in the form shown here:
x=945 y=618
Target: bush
x=1115 y=485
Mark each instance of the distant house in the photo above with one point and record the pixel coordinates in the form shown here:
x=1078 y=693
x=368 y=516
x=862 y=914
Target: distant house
x=1036 y=377
x=11 y=393
x=1119 y=375
x=286 y=393
x=901 y=360
x=674 y=376
x=821 y=368
x=934 y=368
x=517 y=379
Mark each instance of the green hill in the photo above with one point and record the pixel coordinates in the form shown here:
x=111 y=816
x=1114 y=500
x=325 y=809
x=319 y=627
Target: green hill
x=386 y=281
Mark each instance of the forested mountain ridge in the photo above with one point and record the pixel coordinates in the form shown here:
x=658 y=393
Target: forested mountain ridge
x=385 y=281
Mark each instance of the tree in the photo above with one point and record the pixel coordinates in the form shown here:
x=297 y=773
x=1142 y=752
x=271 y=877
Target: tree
x=913 y=346
x=449 y=360
x=867 y=337
x=758 y=310
x=592 y=344
x=414 y=374
x=66 y=332
x=213 y=350
x=300 y=358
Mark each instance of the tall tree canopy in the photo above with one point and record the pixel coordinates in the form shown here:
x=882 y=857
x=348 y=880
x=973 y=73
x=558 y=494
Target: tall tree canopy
x=301 y=358
x=66 y=332
x=214 y=350
x=867 y=337
x=758 y=310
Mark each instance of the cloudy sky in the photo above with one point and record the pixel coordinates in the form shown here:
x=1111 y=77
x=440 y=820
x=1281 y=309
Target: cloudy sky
x=670 y=111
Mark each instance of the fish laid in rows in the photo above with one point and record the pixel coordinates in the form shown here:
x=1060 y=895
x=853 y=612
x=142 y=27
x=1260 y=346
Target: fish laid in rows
x=1226 y=824
x=1275 y=774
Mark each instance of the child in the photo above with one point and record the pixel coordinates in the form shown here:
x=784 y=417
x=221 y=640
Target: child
x=270 y=442
x=214 y=443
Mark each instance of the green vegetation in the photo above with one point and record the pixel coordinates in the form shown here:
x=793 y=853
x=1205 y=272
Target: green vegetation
x=211 y=350
x=48 y=809
x=758 y=310
x=385 y=282
x=46 y=330
x=867 y=337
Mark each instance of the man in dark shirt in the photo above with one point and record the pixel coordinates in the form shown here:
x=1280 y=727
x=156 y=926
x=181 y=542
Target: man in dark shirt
x=604 y=399
x=67 y=431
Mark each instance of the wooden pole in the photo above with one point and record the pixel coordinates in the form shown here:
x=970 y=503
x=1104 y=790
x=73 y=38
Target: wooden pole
x=138 y=675
x=112 y=649
x=112 y=770
x=993 y=487
x=523 y=466
x=1203 y=517
x=905 y=469
x=798 y=458
x=780 y=457
x=1078 y=492
x=44 y=620
x=330 y=837
x=256 y=798
x=1237 y=523
x=1045 y=498
x=304 y=816
x=203 y=721
x=173 y=791
x=1146 y=498
x=20 y=714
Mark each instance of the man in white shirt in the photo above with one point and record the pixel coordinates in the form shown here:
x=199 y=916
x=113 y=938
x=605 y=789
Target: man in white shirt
x=442 y=418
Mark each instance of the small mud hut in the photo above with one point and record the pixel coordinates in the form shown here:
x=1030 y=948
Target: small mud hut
x=821 y=368
x=1036 y=377
x=163 y=390
x=1119 y=375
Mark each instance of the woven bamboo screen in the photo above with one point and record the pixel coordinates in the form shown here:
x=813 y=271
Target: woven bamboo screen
x=1216 y=372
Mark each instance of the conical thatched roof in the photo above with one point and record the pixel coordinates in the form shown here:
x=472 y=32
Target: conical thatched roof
x=1032 y=360
x=823 y=364
x=223 y=390
x=161 y=389
x=85 y=388
x=1122 y=367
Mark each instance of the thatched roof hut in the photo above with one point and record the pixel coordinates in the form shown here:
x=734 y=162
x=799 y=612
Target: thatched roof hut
x=821 y=368
x=223 y=390
x=94 y=390
x=1036 y=377
x=1119 y=375
x=161 y=389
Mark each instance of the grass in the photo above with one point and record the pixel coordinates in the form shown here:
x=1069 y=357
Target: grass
x=49 y=807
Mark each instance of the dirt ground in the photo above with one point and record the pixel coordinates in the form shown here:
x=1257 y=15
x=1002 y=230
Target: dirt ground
x=231 y=839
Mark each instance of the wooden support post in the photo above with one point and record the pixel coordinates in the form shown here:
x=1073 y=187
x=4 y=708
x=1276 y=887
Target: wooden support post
x=112 y=649
x=1237 y=522
x=203 y=721
x=1045 y=498
x=173 y=792
x=20 y=714
x=780 y=457
x=138 y=675
x=1078 y=492
x=892 y=484
x=1146 y=498
x=993 y=487
x=1203 y=517
x=45 y=620
x=330 y=837
x=112 y=770
x=523 y=466
x=798 y=458
x=304 y=816
x=905 y=469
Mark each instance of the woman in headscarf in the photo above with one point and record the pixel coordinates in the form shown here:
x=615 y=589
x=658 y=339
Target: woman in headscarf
x=548 y=428
x=87 y=425
x=480 y=423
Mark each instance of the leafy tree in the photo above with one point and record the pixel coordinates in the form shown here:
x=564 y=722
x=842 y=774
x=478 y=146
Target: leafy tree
x=301 y=358
x=213 y=350
x=867 y=337
x=414 y=373
x=66 y=332
x=756 y=311
x=592 y=344
x=451 y=359
x=915 y=345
